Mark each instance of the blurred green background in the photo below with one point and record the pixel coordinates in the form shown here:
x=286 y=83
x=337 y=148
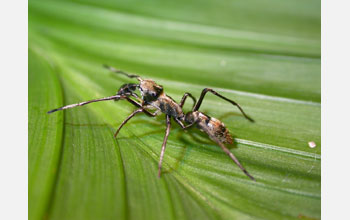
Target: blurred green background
x=264 y=54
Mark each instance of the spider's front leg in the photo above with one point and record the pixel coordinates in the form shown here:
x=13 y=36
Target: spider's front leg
x=141 y=109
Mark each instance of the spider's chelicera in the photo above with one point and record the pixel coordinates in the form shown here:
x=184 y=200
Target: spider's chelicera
x=154 y=97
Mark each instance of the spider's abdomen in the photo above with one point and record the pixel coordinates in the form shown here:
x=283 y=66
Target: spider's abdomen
x=214 y=128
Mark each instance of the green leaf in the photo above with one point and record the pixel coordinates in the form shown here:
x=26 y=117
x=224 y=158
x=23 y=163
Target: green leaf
x=265 y=55
x=45 y=134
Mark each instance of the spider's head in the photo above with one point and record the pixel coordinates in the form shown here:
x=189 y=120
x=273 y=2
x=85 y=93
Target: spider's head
x=150 y=90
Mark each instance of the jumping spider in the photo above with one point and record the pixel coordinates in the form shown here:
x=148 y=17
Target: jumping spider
x=154 y=97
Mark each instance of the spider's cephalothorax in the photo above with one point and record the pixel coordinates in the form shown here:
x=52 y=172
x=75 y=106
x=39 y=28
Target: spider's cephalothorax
x=150 y=90
x=154 y=97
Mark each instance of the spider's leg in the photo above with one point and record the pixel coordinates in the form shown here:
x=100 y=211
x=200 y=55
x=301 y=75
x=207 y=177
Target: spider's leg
x=140 y=106
x=127 y=119
x=196 y=107
x=182 y=102
x=115 y=97
x=230 y=154
x=112 y=69
x=167 y=131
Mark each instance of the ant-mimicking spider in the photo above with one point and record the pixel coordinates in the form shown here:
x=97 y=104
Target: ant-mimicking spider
x=154 y=97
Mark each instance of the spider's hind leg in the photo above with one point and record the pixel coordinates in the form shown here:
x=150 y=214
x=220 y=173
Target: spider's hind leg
x=204 y=92
x=232 y=156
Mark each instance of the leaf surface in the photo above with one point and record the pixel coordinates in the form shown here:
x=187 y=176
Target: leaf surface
x=265 y=56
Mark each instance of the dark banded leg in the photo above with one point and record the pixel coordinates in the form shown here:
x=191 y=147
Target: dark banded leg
x=190 y=125
x=140 y=106
x=115 y=97
x=127 y=119
x=196 y=107
x=182 y=125
x=112 y=69
x=228 y=152
x=128 y=89
x=182 y=102
x=167 y=131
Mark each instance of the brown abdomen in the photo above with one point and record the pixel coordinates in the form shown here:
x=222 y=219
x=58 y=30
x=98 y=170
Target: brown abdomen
x=222 y=133
x=215 y=129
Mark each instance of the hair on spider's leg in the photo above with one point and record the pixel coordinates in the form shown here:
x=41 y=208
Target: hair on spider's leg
x=112 y=69
x=115 y=97
x=196 y=107
x=127 y=119
x=184 y=97
x=167 y=131
x=227 y=151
